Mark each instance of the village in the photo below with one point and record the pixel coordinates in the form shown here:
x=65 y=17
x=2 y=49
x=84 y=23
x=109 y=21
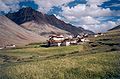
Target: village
x=62 y=40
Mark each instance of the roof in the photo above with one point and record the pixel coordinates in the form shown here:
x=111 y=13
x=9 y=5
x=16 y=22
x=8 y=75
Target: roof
x=57 y=36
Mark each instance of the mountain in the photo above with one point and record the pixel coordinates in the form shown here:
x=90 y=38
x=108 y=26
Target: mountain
x=11 y=33
x=43 y=24
x=115 y=28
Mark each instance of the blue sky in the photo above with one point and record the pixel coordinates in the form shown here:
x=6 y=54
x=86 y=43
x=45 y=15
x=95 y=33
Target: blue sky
x=95 y=15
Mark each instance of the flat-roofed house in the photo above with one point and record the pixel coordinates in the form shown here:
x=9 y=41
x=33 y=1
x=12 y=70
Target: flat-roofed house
x=55 y=40
x=10 y=46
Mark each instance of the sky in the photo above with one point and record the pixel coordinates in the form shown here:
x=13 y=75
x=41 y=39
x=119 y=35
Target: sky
x=94 y=15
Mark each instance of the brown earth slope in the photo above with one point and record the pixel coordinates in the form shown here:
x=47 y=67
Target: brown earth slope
x=43 y=29
x=11 y=33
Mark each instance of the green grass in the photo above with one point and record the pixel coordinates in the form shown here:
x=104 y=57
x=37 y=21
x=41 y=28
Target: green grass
x=42 y=51
x=93 y=66
x=99 y=59
x=30 y=54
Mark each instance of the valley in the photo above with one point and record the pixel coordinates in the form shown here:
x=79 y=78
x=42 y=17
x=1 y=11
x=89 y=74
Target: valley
x=38 y=45
x=97 y=59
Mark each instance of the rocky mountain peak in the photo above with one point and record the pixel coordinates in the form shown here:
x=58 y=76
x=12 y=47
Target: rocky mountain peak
x=28 y=14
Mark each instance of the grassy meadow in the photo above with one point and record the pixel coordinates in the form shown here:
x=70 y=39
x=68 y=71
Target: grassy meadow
x=98 y=59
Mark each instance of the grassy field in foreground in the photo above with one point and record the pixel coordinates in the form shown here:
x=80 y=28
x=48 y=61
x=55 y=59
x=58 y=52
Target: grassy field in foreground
x=99 y=59
x=93 y=66
x=31 y=53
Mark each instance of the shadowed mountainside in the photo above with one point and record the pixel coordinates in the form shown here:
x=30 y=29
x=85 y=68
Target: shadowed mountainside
x=42 y=23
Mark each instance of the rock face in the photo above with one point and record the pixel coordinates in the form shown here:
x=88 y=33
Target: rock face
x=11 y=33
x=115 y=28
x=43 y=24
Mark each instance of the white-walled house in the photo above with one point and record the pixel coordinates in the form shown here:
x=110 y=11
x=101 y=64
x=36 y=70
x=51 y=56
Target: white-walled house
x=60 y=40
x=7 y=46
x=73 y=41
x=10 y=46
x=66 y=43
x=98 y=34
x=85 y=40
x=55 y=40
x=1 y=48
x=95 y=35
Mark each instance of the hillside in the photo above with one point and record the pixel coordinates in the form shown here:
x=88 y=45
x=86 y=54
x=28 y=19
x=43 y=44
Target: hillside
x=11 y=33
x=42 y=23
x=44 y=30
x=115 y=28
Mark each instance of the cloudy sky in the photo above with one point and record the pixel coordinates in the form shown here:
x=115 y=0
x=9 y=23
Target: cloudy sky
x=95 y=15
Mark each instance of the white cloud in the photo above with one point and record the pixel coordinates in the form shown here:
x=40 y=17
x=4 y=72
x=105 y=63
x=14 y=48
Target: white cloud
x=96 y=2
x=88 y=20
x=86 y=16
x=114 y=5
x=106 y=26
x=4 y=7
x=103 y=27
x=85 y=10
x=116 y=13
x=118 y=22
x=46 y=5
x=9 y=5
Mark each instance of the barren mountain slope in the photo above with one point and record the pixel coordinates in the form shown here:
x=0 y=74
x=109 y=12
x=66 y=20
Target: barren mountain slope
x=42 y=23
x=11 y=33
x=43 y=29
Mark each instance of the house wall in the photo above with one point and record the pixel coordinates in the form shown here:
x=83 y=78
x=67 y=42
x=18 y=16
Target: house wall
x=67 y=43
x=57 y=39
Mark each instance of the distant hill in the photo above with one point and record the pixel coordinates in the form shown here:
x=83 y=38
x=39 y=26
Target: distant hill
x=115 y=28
x=11 y=33
x=43 y=24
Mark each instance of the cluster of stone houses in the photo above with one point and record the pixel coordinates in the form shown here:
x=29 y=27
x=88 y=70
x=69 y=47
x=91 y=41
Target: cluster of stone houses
x=7 y=46
x=61 y=40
